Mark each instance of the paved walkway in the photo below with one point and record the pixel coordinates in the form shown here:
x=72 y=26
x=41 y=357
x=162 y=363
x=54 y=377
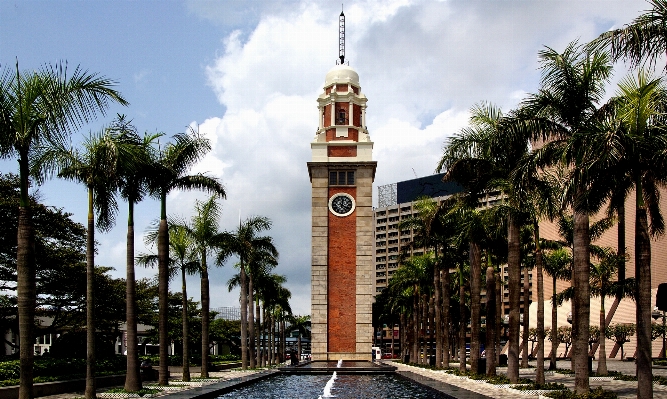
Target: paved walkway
x=220 y=375
x=624 y=389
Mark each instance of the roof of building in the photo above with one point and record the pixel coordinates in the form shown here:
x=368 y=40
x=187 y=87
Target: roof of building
x=428 y=186
x=341 y=74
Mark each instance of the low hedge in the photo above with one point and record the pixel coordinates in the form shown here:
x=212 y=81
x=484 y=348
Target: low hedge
x=177 y=360
x=48 y=369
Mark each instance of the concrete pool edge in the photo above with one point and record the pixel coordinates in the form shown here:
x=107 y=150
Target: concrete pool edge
x=219 y=388
x=449 y=390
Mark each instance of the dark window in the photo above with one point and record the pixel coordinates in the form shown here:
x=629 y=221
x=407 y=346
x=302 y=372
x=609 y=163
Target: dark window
x=341 y=118
x=341 y=178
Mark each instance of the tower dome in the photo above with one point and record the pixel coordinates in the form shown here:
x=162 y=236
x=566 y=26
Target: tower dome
x=341 y=74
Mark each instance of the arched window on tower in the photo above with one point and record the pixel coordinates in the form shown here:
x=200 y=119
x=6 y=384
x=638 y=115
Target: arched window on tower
x=341 y=117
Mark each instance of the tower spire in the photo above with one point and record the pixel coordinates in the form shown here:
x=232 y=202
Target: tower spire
x=341 y=37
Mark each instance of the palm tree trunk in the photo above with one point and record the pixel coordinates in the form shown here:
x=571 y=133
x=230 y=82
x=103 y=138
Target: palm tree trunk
x=132 y=378
x=446 y=320
x=554 y=328
x=186 y=333
x=475 y=302
x=581 y=303
x=462 y=324
x=26 y=290
x=526 y=319
x=205 y=310
x=426 y=325
x=244 y=318
x=251 y=322
x=499 y=314
x=602 y=355
x=415 y=326
x=490 y=346
x=539 y=377
x=298 y=355
x=514 y=283
x=424 y=328
x=272 y=343
x=263 y=336
x=258 y=335
x=283 y=340
x=438 y=318
x=90 y=300
x=402 y=330
x=643 y=301
x=163 y=291
x=620 y=274
x=431 y=328
x=393 y=329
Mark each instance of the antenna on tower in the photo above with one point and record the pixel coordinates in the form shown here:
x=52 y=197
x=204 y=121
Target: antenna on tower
x=341 y=36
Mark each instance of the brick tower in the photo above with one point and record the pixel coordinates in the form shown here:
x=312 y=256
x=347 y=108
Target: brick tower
x=341 y=174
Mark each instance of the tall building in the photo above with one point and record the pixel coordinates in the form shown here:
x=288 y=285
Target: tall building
x=395 y=204
x=341 y=172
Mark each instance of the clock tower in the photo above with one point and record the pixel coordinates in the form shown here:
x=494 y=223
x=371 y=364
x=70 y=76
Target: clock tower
x=341 y=173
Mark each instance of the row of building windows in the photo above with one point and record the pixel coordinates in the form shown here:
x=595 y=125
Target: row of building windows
x=341 y=178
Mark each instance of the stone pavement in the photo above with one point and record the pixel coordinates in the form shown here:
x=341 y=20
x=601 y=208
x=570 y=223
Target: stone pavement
x=624 y=389
x=221 y=375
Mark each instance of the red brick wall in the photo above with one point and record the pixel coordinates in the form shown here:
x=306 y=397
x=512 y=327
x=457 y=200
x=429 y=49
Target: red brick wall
x=341 y=88
x=352 y=134
x=357 y=115
x=342 y=277
x=347 y=151
x=327 y=115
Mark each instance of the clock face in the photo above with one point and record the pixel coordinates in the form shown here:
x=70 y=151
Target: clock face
x=341 y=204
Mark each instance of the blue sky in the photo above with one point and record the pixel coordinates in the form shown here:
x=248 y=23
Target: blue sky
x=248 y=74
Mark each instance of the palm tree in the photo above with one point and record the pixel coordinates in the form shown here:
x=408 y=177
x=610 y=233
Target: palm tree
x=41 y=107
x=302 y=325
x=601 y=275
x=410 y=278
x=564 y=112
x=538 y=195
x=185 y=258
x=428 y=229
x=642 y=41
x=246 y=244
x=169 y=173
x=205 y=235
x=258 y=276
x=481 y=157
x=97 y=167
x=133 y=188
x=557 y=264
x=266 y=285
x=274 y=297
x=639 y=158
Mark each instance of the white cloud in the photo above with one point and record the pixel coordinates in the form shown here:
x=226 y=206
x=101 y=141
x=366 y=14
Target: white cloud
x=422 y=64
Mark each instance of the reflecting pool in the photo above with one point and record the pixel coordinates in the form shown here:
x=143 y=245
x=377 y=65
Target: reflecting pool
x=345 y=387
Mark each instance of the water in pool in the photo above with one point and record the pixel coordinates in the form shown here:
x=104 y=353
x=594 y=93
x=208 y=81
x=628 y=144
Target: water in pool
x=343 y=387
